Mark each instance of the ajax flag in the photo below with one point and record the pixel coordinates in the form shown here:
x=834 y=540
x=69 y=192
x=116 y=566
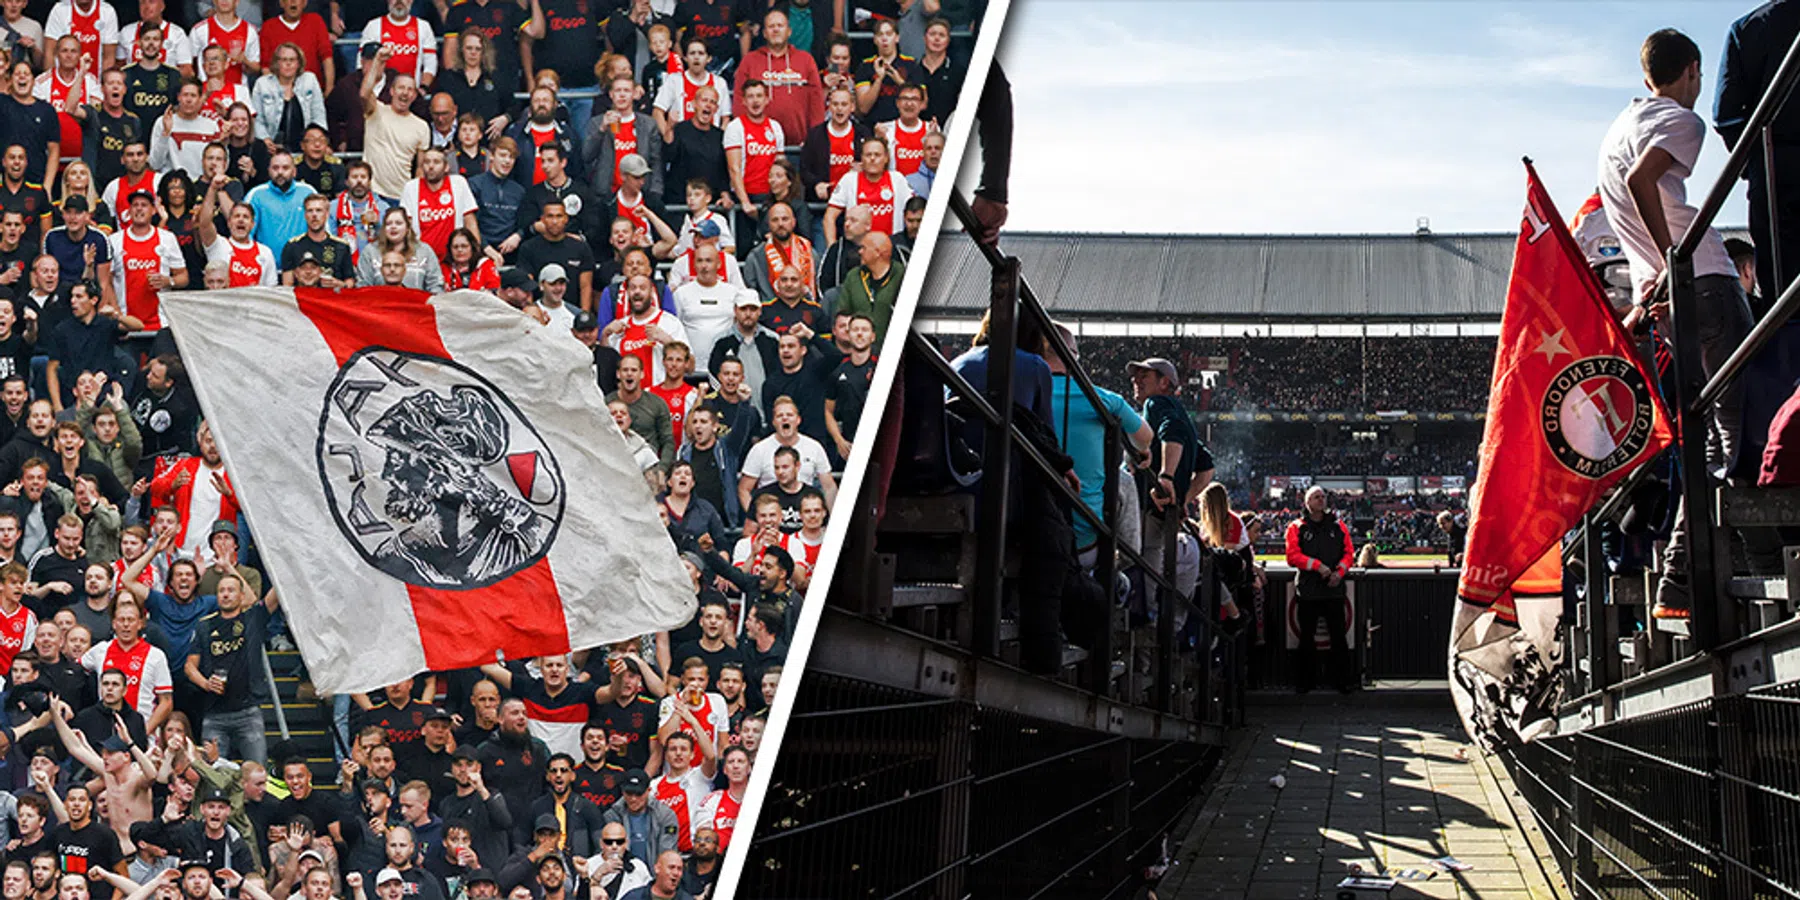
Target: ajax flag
x=431 y=479
x=1571 y=411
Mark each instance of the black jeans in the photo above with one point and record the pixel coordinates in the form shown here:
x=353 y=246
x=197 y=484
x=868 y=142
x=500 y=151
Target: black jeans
x=1331 y=609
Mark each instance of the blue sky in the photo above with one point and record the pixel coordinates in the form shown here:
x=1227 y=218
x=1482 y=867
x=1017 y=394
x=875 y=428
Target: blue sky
x=1311 y=117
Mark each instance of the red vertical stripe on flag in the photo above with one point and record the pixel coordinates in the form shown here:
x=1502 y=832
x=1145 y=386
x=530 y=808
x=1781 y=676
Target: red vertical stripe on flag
x=396 y=318
x=521 y=615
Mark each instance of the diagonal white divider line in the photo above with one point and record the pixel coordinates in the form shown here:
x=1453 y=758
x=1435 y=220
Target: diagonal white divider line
x=794 y=668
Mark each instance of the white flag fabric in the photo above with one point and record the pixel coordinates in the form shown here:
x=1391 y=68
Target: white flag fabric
x=430 y=479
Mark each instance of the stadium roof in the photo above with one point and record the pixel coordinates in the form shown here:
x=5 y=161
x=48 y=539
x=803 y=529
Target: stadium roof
x=1239 y=277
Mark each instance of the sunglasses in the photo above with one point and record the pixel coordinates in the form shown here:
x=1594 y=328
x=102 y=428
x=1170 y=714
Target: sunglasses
x=611 y=842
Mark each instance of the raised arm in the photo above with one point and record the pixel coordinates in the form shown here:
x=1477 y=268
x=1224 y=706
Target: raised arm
x=74 y=741
x=500 y=674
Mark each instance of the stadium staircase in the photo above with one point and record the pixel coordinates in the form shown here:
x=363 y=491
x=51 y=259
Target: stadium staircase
x=922 y=760
x=298 y=716
x=1675 y=768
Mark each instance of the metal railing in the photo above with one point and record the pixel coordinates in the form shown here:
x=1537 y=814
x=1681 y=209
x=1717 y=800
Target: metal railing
x=1714 y=617
x=916 y=766
x=1698 y=801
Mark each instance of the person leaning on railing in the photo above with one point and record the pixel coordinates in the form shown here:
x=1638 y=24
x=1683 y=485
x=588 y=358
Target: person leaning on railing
x=1645 y=159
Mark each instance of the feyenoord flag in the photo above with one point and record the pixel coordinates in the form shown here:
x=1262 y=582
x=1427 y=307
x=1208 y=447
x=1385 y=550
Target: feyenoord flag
x=431 y=479
x=1571 y=411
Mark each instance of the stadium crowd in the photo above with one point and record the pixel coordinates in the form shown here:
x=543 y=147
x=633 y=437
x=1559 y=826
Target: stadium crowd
x=716 y=197
x=1421 y=374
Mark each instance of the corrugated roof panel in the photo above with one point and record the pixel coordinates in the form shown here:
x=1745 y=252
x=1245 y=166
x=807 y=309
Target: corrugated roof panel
x=1109 y=274
x=1209 y=278
x=1316 y=277
x=1243 y=276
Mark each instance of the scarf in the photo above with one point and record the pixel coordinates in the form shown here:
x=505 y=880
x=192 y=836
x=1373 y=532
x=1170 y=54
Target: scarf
x=803 y=260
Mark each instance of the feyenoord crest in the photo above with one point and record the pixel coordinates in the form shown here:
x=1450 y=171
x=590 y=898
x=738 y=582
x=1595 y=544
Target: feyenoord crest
x=1597 y=415
x=433 y=474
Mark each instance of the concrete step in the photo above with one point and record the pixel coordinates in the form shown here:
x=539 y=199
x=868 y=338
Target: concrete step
x=1628 y=590
x=1671 y=626
x=1752 y=587
x=947 y=514
x=928 y=594
x=1744 y=507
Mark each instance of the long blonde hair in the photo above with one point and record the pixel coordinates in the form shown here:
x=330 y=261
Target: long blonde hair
x=62 y=191
x=1215 y=514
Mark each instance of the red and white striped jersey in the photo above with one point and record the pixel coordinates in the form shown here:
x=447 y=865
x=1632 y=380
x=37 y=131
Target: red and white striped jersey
x=683 y=794
x=760 y=142
x=178 y=48
x=885 y=197
x=62 y=94
x=906 y=147
x=411 y=42
x=251 y=263
x=239 y=38
x=96 y=24
x=437 y=211
x=17 y=631
x=720 y=813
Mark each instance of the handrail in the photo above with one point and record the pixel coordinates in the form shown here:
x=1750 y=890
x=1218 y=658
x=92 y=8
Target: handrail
x=275 y=697
x=1010 y=296
x=966 y=214
x=1692 y=395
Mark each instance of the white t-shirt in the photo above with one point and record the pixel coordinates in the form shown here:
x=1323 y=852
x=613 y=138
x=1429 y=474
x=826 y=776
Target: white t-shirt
x=177 y=51
x=706 y=312
x=671 y=98
x=204 y=503
x=1651 y=123
x=759 y=463
x=681 y=270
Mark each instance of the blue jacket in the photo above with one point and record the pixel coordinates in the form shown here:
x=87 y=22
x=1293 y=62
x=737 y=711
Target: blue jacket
x=280 y=215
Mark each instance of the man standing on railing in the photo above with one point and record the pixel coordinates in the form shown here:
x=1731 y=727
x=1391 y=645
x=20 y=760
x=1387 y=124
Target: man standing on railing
x=1645 y=160
x=1318 y=545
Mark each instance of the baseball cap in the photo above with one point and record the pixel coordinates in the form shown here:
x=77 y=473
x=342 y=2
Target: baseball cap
x=747 y=298
x=312 y=853
x=546 y=822
x=75 y=203
x=707 y=229
x=438 y=714
x=147 y=833
x=224 y=526
x=214 y=794
x=636 y=782
x=114 y=744
x=200 y=863
x=140 y=192
x=552 y=272
x=465 y=752
x=307 y=257
x=1156 y=364
x=516 y=278
x=585 y=320
x=387 y=875
x=634 y=165
x=480 y=875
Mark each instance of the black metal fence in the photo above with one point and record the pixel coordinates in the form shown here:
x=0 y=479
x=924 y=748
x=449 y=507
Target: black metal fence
x=1402 y=626
x=1699 y=801
x=888 y=793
